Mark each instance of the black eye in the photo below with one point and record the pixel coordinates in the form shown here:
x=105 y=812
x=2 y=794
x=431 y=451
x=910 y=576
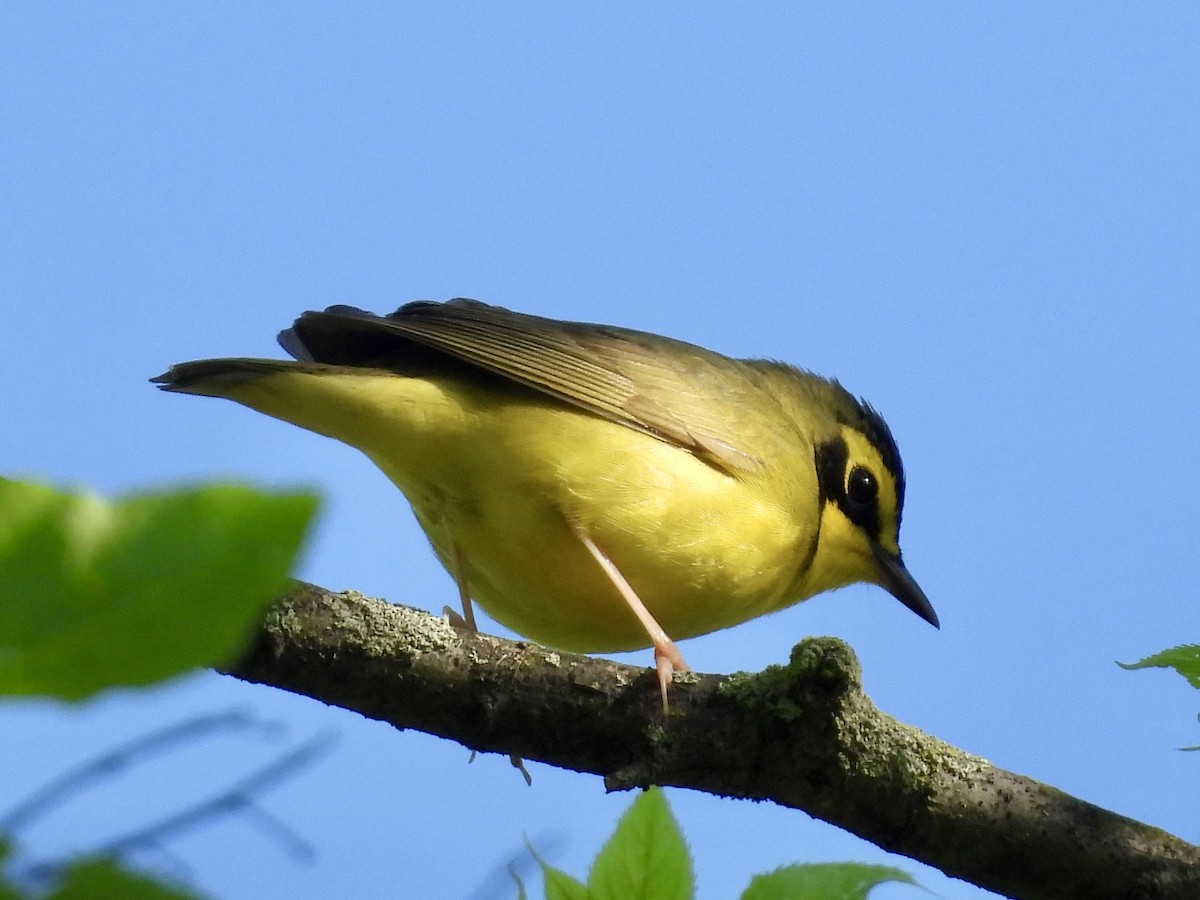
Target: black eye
x=862 y=489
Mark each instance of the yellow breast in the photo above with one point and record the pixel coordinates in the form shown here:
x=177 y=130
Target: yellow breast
x=497 y=476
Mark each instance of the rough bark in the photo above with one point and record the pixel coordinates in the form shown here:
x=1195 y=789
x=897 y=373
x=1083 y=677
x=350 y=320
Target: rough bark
x=802 y=735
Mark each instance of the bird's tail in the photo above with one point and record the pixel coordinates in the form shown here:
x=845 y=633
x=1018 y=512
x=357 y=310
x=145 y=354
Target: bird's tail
x=219 y=377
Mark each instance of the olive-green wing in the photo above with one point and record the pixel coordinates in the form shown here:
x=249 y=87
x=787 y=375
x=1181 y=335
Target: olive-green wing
x=677 y=392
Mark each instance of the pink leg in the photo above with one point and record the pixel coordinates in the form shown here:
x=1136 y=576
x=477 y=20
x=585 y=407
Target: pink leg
x=667 y=659
x=467 y=619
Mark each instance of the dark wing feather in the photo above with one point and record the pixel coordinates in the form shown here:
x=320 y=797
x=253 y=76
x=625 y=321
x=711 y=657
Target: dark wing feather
x=677 y=392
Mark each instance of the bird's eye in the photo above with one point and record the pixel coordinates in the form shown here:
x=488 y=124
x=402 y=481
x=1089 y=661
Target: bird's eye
x=862 y=488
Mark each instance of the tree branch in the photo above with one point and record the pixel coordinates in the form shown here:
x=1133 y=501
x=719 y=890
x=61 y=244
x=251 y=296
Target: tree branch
x=802 y=735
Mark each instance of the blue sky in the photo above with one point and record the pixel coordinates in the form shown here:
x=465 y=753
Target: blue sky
x=984 y=220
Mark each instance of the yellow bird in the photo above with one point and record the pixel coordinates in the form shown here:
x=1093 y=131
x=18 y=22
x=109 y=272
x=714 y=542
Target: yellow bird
x=595 y=488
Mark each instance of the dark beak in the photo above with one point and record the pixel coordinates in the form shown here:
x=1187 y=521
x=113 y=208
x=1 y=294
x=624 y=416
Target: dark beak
x=894 y=579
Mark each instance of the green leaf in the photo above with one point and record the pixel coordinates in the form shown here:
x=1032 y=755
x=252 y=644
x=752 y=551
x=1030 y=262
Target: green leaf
x=7 y=891
x=823 y=881
x=103 y=880
x=95 y=594
x=646 y=858
x=561 y=886
x=1184 y=659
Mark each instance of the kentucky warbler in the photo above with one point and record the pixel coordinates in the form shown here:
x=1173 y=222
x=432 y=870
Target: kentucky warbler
x=592 y=487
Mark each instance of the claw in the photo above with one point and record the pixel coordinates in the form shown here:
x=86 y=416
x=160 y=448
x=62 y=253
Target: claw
x=667 y=661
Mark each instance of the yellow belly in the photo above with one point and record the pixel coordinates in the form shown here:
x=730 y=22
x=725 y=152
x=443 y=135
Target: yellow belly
x=496 y=477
